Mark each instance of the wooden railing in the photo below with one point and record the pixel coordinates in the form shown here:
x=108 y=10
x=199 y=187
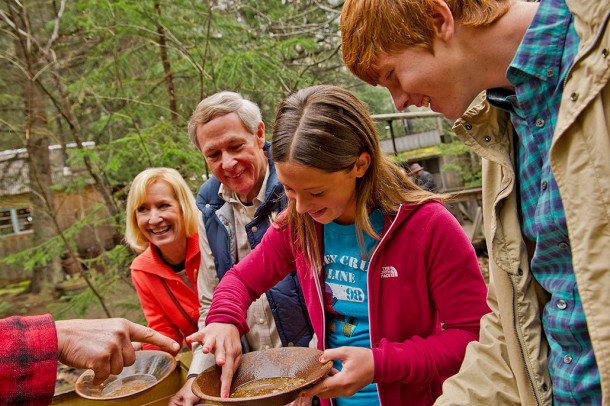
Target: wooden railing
x=395 y=144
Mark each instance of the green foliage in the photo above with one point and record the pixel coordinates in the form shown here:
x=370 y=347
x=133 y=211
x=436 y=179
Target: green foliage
x=15 y=287
x=419 y=153
x=76 y=305
x=105 y=81
x=36 y=256
x=262 y=50
x=161 y=145
x=6 y=309
x=378 y=99
x=54 y=248
x=453 y=148
x=109 y=274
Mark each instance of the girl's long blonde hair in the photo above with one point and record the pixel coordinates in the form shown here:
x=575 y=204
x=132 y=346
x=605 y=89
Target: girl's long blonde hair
x=328 y=128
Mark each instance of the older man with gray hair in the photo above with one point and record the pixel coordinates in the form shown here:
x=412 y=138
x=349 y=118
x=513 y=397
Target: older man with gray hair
x=237 y=204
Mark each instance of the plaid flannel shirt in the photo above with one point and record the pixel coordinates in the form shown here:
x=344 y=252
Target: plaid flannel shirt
x=28 y=360
x=537 y=72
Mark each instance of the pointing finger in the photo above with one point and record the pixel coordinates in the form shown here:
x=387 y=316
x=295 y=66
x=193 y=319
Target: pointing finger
x=226 y=377
x=150 y=336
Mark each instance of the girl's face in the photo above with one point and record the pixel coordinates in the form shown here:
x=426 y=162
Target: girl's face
x=324 y=196
x=159 y=218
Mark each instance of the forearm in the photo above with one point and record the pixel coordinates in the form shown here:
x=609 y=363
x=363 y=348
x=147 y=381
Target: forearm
x=485 y=376
x=230 y=304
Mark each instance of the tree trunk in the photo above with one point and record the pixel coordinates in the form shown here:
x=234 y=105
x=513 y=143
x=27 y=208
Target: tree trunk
x=167 y=68
x=37 y=144
x=41 y=196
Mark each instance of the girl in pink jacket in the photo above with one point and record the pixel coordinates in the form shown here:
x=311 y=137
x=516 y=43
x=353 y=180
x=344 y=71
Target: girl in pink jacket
x=391 y=282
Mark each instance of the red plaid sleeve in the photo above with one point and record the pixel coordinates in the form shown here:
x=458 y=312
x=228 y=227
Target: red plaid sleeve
x=28 y=360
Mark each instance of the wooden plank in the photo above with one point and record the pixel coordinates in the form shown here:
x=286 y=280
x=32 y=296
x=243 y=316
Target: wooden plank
x=477 y=227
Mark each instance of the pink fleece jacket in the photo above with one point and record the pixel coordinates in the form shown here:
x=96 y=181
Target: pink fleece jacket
x=426 y=298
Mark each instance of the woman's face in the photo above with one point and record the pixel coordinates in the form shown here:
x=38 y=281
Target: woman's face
x=324 y=196
x=159 y=217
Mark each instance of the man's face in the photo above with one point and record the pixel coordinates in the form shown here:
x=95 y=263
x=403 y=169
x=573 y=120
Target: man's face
x=234 y=155
x=416 y=76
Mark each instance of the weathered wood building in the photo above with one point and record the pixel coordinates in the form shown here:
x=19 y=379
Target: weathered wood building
x=79 y=202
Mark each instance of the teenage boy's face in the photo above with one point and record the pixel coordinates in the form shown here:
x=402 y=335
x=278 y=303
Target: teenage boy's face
x=417 y=77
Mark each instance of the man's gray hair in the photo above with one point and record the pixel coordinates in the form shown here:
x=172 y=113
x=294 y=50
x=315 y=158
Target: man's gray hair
x=220 y=104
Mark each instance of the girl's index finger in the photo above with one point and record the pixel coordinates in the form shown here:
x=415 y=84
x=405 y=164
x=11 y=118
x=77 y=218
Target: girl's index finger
x=226 y=377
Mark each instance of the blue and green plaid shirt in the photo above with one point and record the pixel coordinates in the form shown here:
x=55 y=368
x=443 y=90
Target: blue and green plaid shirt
x=537 y=72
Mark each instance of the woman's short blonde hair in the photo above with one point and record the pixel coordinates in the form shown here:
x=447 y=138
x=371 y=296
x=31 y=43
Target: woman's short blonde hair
x=137 y=194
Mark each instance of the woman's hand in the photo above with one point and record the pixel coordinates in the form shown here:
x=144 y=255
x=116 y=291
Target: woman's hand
x=223 y=340
x=357 y=371
x=185 y=396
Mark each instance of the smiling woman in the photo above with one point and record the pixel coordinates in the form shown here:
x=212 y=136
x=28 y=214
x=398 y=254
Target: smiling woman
x=162 y=225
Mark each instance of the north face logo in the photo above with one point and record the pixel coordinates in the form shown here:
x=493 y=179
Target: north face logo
x=389 y=272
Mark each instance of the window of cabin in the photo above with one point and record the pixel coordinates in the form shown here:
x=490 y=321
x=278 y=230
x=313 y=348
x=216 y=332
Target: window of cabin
x=15 y=221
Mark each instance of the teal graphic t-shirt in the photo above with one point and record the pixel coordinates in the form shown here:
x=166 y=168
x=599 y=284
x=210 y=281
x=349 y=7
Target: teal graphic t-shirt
x=346 y=295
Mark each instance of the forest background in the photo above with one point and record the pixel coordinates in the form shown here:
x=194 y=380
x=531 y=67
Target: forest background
x=113 y=83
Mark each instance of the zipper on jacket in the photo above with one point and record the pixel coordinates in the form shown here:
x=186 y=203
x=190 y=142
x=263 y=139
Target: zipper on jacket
x=321 y=301
x=320 y=297
x=522 y=345
x=383 y=238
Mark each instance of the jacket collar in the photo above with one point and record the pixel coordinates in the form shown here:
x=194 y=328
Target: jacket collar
x=149 y=261
x=487 y=131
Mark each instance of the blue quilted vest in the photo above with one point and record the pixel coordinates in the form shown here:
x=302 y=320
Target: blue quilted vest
x=285 y=298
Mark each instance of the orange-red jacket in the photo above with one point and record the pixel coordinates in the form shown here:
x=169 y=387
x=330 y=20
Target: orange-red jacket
x=147 y=272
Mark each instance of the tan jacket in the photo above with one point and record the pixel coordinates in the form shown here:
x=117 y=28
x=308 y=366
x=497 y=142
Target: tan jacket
x=508 y=366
